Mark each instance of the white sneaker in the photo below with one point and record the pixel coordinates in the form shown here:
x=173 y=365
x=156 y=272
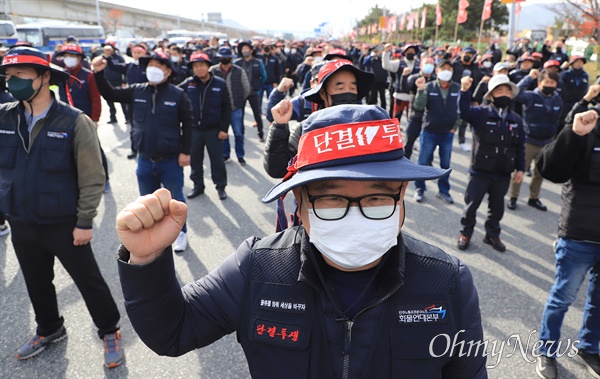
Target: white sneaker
x=418 y=195
x=4 y=230
x=465 y=147
x=180 y=243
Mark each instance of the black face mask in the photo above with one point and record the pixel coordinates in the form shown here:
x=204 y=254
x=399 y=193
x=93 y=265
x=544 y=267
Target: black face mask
x=548 y=90
x=577 y=70
x=343 y=98
x=466 y=58
x=225 y=61
x=558 y=50
x=501 y=101
x=410 y=56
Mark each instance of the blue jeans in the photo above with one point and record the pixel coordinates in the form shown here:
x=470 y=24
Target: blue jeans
x=167 y=172
x=428 y=142
x=237 y=125
x=264 y=88
x=574 y=259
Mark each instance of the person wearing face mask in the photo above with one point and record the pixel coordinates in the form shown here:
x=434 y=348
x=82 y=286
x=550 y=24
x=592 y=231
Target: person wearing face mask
x=162 y=122
x=212 y=115
x=465 y=65
x=560 y=53
x=498 y=150
x=212 y=49
x=524 y=66
x=482 y=88
x=82 y=92
x=51 y=181
x=408 y=65
x=486 y=65
x=346 y=294
x=438 y=100
x=294 y=59
x=239 y=88
x=257 y=75
x=114 y=77
x=134 y=73
x=542 y=108
x=338 y=82
x=179 y=65
x=576 y=83
x=415 y=120
x=273 y=70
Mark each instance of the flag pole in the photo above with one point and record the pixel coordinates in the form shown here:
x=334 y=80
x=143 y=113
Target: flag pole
x=456 y=30
x=480 y=31
x=437 y=29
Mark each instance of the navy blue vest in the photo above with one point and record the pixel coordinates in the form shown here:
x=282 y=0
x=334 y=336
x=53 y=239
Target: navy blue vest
x=440 y=115
x=270 y=62
x=288 y=318
x=40 y=186
x=156 y=125
x=79 y=93
x=253 y=72
x=542 y=117
x=416 y=69
x=206 y=101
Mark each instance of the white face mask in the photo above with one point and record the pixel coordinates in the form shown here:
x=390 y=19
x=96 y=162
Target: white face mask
x=286 y=50
x=354 y=241
x=174 y=58
x=294 y=51
x=136 y=62
x=487 y=64
x=155 y=75
x=318 y=59
x=71 y=62
x=445 y=75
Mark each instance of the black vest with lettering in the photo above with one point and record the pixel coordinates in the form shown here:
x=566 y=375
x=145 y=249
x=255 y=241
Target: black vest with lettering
x=495 y=143
x=156 y=125
x=542 y=117
x=252 y=68
x=288 y=317
x=440 y=114
x=581 y=196
x=39 y=187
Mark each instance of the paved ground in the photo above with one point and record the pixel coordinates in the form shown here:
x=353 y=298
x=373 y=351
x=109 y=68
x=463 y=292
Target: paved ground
x=512 y=286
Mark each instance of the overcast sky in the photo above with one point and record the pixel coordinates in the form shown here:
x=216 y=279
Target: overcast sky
x=277 y=15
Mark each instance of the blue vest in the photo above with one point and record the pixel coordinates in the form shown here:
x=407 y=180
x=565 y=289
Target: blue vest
x=401 y=67
x=38 y=187
x=156 y=125
x=253 y=72
x=440 y=115
x=271 y=62
x=206 y=101
x=79 y=94
x=287 y=316
x=136 y=74
x=542 y=117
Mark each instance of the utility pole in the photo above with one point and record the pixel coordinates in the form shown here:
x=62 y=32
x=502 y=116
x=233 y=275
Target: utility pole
x=511 y=25
x=98 y=12
x=384 y=29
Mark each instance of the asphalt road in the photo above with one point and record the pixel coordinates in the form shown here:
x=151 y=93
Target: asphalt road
x=513 y=286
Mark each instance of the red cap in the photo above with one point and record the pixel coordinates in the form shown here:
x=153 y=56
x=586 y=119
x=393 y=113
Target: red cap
x=71 y=48
x=577 y=57
x=537 y=55
x=552 y=63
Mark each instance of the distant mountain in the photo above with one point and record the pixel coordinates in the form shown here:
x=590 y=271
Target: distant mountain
x=536 y=16
x=233 y=24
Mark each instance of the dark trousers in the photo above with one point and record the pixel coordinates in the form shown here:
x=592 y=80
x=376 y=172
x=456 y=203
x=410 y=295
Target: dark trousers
x=214 y=147
x=2 y=218
x=104 y=164
x=113 y=110
x=378 y=89
x=35 y=247
x=462 y=129
x=477 y=187
x=412 y=133
x=253 y=100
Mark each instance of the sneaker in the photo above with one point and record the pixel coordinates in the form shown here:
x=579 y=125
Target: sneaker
x=4 y=230
x=446 y=197
x=495 y=242
x=37 y=344
x=590 y=361
x=113 y=353
x=512 y=204
x=261 y=139
x=418 y=195
x=463 y=242
x=132 y=155
x=465 y=147
x=180 y=243
x=242 y=161
x=222 y=193
x=546 y=367
x=195 y=192
x=537 y=204
x=106 y=187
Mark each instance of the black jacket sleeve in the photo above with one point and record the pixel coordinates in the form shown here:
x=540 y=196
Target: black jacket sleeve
x=173 y=321
x=225 y=110
x=186 y=117
x=277 y=155
x=562 y=158
x=110 y=93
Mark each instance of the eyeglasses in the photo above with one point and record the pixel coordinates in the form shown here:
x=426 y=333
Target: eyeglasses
x=375 y=206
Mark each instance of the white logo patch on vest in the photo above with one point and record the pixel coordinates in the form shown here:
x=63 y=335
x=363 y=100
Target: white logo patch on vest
x=422 y=314
x=140 y=100
x=288 y=305
x=59 y=135
x=170 y=103
x=3 y=131
x=595 y=148
x=491 y=123
x=216 y=90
